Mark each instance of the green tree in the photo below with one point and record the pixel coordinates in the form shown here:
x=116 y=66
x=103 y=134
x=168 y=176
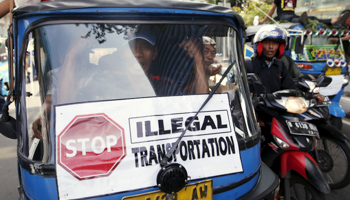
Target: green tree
x=250 y=12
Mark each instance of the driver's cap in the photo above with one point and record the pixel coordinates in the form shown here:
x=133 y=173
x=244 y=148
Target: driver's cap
x=145 y=32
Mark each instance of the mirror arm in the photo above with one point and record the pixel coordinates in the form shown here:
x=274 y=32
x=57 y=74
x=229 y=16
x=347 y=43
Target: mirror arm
x=5 y=117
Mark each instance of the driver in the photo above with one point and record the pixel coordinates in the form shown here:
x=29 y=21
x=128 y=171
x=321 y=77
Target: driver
x=143 y=44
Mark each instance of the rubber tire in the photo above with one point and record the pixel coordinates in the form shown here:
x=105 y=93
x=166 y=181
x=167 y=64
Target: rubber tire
x=336 y=122
x=345 y=149
x=297 y=179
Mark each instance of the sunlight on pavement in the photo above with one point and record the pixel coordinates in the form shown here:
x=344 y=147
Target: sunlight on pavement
x=8 y=152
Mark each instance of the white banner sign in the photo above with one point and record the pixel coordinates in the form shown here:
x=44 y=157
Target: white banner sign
x=115 y=146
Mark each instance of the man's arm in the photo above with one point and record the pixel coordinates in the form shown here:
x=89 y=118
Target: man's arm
x=193 y=50
x=270 y=13
x=4 y=7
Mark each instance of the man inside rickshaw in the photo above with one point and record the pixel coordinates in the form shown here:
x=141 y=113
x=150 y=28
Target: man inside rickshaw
x=144 y=44
x=143 y=49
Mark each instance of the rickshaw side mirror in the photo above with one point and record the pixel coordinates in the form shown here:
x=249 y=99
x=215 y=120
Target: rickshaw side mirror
x=7 y=124
x=299 y=45
x=323 y=81
x=3 y=58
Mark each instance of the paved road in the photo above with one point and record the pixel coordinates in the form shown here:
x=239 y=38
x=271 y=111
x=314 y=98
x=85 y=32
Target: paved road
x=8 y=169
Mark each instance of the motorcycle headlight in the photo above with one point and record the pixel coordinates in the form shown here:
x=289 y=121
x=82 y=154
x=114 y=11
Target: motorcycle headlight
x=296 y=105
x=282 y=144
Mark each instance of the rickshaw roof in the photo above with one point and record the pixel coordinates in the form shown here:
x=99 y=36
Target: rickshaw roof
x=158 y=4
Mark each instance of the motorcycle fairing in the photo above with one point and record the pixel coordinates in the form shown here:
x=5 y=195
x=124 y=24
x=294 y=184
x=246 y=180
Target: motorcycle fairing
x=335 y=108
x=306 y=166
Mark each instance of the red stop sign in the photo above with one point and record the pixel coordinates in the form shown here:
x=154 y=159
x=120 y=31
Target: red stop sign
x=91 y=146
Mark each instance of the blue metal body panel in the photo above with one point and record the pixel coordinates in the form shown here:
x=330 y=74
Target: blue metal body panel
x=335 y=108
x=37 y=187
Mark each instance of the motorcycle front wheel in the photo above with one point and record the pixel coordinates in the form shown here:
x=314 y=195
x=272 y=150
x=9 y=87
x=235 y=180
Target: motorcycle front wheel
x=334 y=161
x=300 y=189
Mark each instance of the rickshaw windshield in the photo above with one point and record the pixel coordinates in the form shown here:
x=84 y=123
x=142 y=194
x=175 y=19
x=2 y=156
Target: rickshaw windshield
x=319 y=48
x=95 y=64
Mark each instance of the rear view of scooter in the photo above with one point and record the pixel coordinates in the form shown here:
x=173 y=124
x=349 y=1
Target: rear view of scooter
x=287 y=141
x=332 y=152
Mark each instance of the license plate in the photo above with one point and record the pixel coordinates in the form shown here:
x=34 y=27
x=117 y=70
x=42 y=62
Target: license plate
x=333 y=71
x=302 y=128
x=201 y=191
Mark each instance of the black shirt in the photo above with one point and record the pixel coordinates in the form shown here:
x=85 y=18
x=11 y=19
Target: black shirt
x=274 y=78
x=285 y=7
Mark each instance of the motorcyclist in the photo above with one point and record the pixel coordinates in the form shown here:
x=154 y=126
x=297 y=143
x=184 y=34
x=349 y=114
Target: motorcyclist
x=270 y=62
x=269 y=43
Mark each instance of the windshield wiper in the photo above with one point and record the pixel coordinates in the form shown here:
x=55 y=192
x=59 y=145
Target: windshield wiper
x=173 y=148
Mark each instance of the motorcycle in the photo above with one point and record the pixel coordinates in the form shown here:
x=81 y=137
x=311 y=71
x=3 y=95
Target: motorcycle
x=332 y=152
x=287 y=142
x=314 y=54
x=124 y=106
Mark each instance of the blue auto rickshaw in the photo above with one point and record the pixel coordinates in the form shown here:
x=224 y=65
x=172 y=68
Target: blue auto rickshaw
x=315 y=53
x=131 y=102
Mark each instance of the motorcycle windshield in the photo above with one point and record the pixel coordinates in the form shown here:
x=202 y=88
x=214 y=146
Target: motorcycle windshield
x=113 y=98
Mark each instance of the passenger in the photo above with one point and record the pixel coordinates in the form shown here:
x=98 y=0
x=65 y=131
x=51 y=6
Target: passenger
x=200 y=83
x=143 y=49
x=209 y=52
x=285 y=11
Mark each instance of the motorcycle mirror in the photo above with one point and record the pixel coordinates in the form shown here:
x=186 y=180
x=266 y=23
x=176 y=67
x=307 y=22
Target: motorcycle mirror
x=7 y=123
x=301 y=82
x=255 y=83
x=323 y=81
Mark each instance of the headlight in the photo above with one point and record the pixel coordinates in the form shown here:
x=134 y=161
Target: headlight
x=296 y=105
x=282 y=144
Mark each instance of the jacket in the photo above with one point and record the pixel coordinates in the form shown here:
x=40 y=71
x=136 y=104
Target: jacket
x=274 y=78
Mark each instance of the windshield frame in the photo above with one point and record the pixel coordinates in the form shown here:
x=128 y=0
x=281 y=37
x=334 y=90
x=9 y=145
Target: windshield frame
x=120 y=20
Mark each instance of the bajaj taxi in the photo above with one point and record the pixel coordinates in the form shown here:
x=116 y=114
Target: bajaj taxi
x=131 y=102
